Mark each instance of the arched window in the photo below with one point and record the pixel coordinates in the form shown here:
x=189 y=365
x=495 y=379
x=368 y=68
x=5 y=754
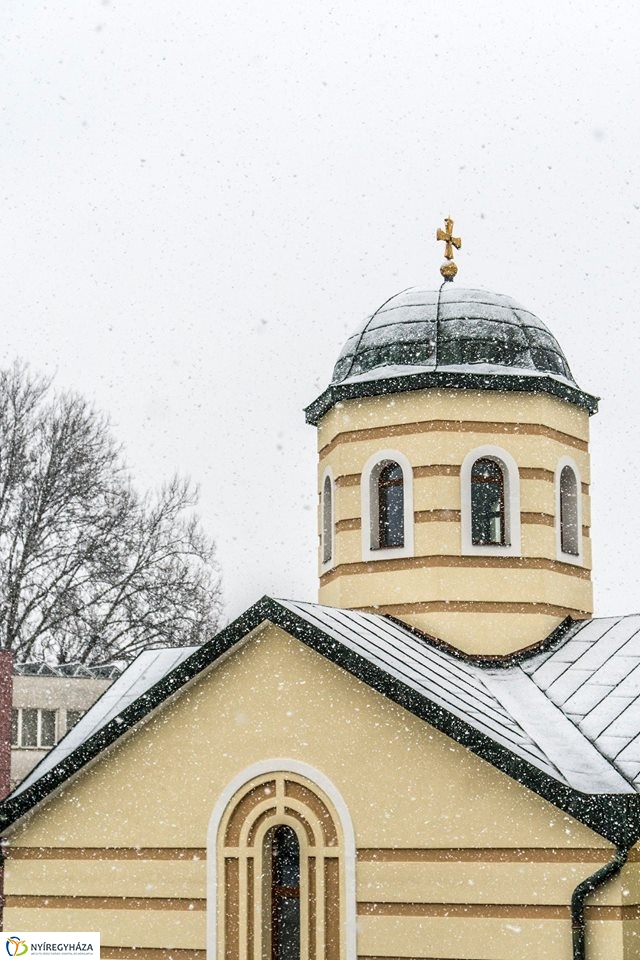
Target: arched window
x=284 y=887
x=569 y=520
x=327 y=520
x=284 y=893
x=490 y=503
x=487 y=503
x=386 y=491
x=390 y=502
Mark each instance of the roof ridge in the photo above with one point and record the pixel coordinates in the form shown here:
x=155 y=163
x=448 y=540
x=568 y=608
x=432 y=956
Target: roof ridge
x=612 y=813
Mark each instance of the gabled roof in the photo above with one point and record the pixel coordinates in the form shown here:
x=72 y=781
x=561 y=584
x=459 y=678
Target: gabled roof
x=525 y=715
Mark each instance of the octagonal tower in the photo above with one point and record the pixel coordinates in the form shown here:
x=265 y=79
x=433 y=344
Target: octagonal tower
x=454 y=472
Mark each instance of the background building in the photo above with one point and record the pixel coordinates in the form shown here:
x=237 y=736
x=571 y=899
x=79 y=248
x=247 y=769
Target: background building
x=47 y=702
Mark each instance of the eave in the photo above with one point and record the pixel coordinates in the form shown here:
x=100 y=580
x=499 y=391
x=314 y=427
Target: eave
x=449 y=379
x=616 y=817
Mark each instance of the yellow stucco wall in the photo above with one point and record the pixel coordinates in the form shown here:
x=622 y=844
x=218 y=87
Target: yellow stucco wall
x=454 y=859
x=514 y=602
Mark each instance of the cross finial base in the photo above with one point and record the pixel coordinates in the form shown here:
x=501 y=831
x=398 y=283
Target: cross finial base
x=448 y=270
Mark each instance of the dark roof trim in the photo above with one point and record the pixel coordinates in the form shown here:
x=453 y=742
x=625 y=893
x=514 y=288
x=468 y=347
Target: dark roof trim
x=505 y=660
x=614 y=816
x=447 y=378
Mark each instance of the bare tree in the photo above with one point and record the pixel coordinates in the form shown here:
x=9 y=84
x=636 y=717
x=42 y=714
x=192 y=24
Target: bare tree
x=89 y=570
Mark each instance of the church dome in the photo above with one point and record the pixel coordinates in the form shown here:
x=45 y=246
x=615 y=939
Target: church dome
x=451 y=328
x=454 y=338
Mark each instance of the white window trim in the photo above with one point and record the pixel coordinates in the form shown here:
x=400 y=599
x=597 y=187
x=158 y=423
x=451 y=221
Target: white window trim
x=369 y=553
x=331 y=562
x=578 y=559
x=511 y=504
x=277 y=765
x=39 y=745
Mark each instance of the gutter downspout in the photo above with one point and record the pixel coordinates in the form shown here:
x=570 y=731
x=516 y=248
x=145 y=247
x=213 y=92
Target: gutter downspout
x=582 y=891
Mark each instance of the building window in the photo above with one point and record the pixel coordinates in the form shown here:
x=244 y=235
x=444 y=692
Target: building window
x=568 y=512
x=281 y=863
x=72 y=718
x=285 y=893
x=32 y=727
x=327 y=519
x=386 y=491
x=490 y=503
x=390 y=503
x=487 y=503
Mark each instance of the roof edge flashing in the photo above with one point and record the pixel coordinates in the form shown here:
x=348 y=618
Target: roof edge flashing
x=448 y=379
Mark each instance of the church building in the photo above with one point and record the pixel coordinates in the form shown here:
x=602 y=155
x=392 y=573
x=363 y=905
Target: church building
x=440 y=760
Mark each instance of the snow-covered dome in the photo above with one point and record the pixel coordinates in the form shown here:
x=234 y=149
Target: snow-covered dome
x=450 y=328
x=450 y=337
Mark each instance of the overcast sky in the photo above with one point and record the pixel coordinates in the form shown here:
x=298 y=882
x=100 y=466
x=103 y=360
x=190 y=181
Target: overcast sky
x=201 y=201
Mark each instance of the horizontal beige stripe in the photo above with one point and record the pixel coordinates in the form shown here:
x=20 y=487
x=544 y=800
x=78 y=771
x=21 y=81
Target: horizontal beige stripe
x=437 y=470
x=475 y=606
x=437 y=516
x=494 y=911
x=450 y=516
x=453 y=470
x=364 y=854
x=487 y=911
x=352 y=524
x=312 y=851
x=542 y=519
x=151 y=953
x=105 y=853
x=630 y=912
x=453 y=426
x=28 y=902
x=595 y=855
x=474 y=563
x=348 y=480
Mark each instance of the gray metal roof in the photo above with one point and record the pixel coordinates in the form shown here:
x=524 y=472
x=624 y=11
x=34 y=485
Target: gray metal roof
x=573 y=713
x=594 y=679
x=74 y=669
x=502 y=703
x=564 y=722
x=450 y=328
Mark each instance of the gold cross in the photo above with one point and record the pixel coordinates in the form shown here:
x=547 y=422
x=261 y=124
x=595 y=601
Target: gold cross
x=448 y=270
x=449 y=239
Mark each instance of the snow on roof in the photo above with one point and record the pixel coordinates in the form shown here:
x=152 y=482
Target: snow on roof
x=146 y=670
x=571 y=712
x=451 y=326
x=75 y=670
x=452 y=683
x=501 y=703
x=594 y=679
x=393 y=370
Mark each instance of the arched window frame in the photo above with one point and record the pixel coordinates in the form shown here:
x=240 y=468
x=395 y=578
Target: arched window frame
x=369 y=506
x=331 y=525
x=578 y=558
x=320 y=785
x=509 y=467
